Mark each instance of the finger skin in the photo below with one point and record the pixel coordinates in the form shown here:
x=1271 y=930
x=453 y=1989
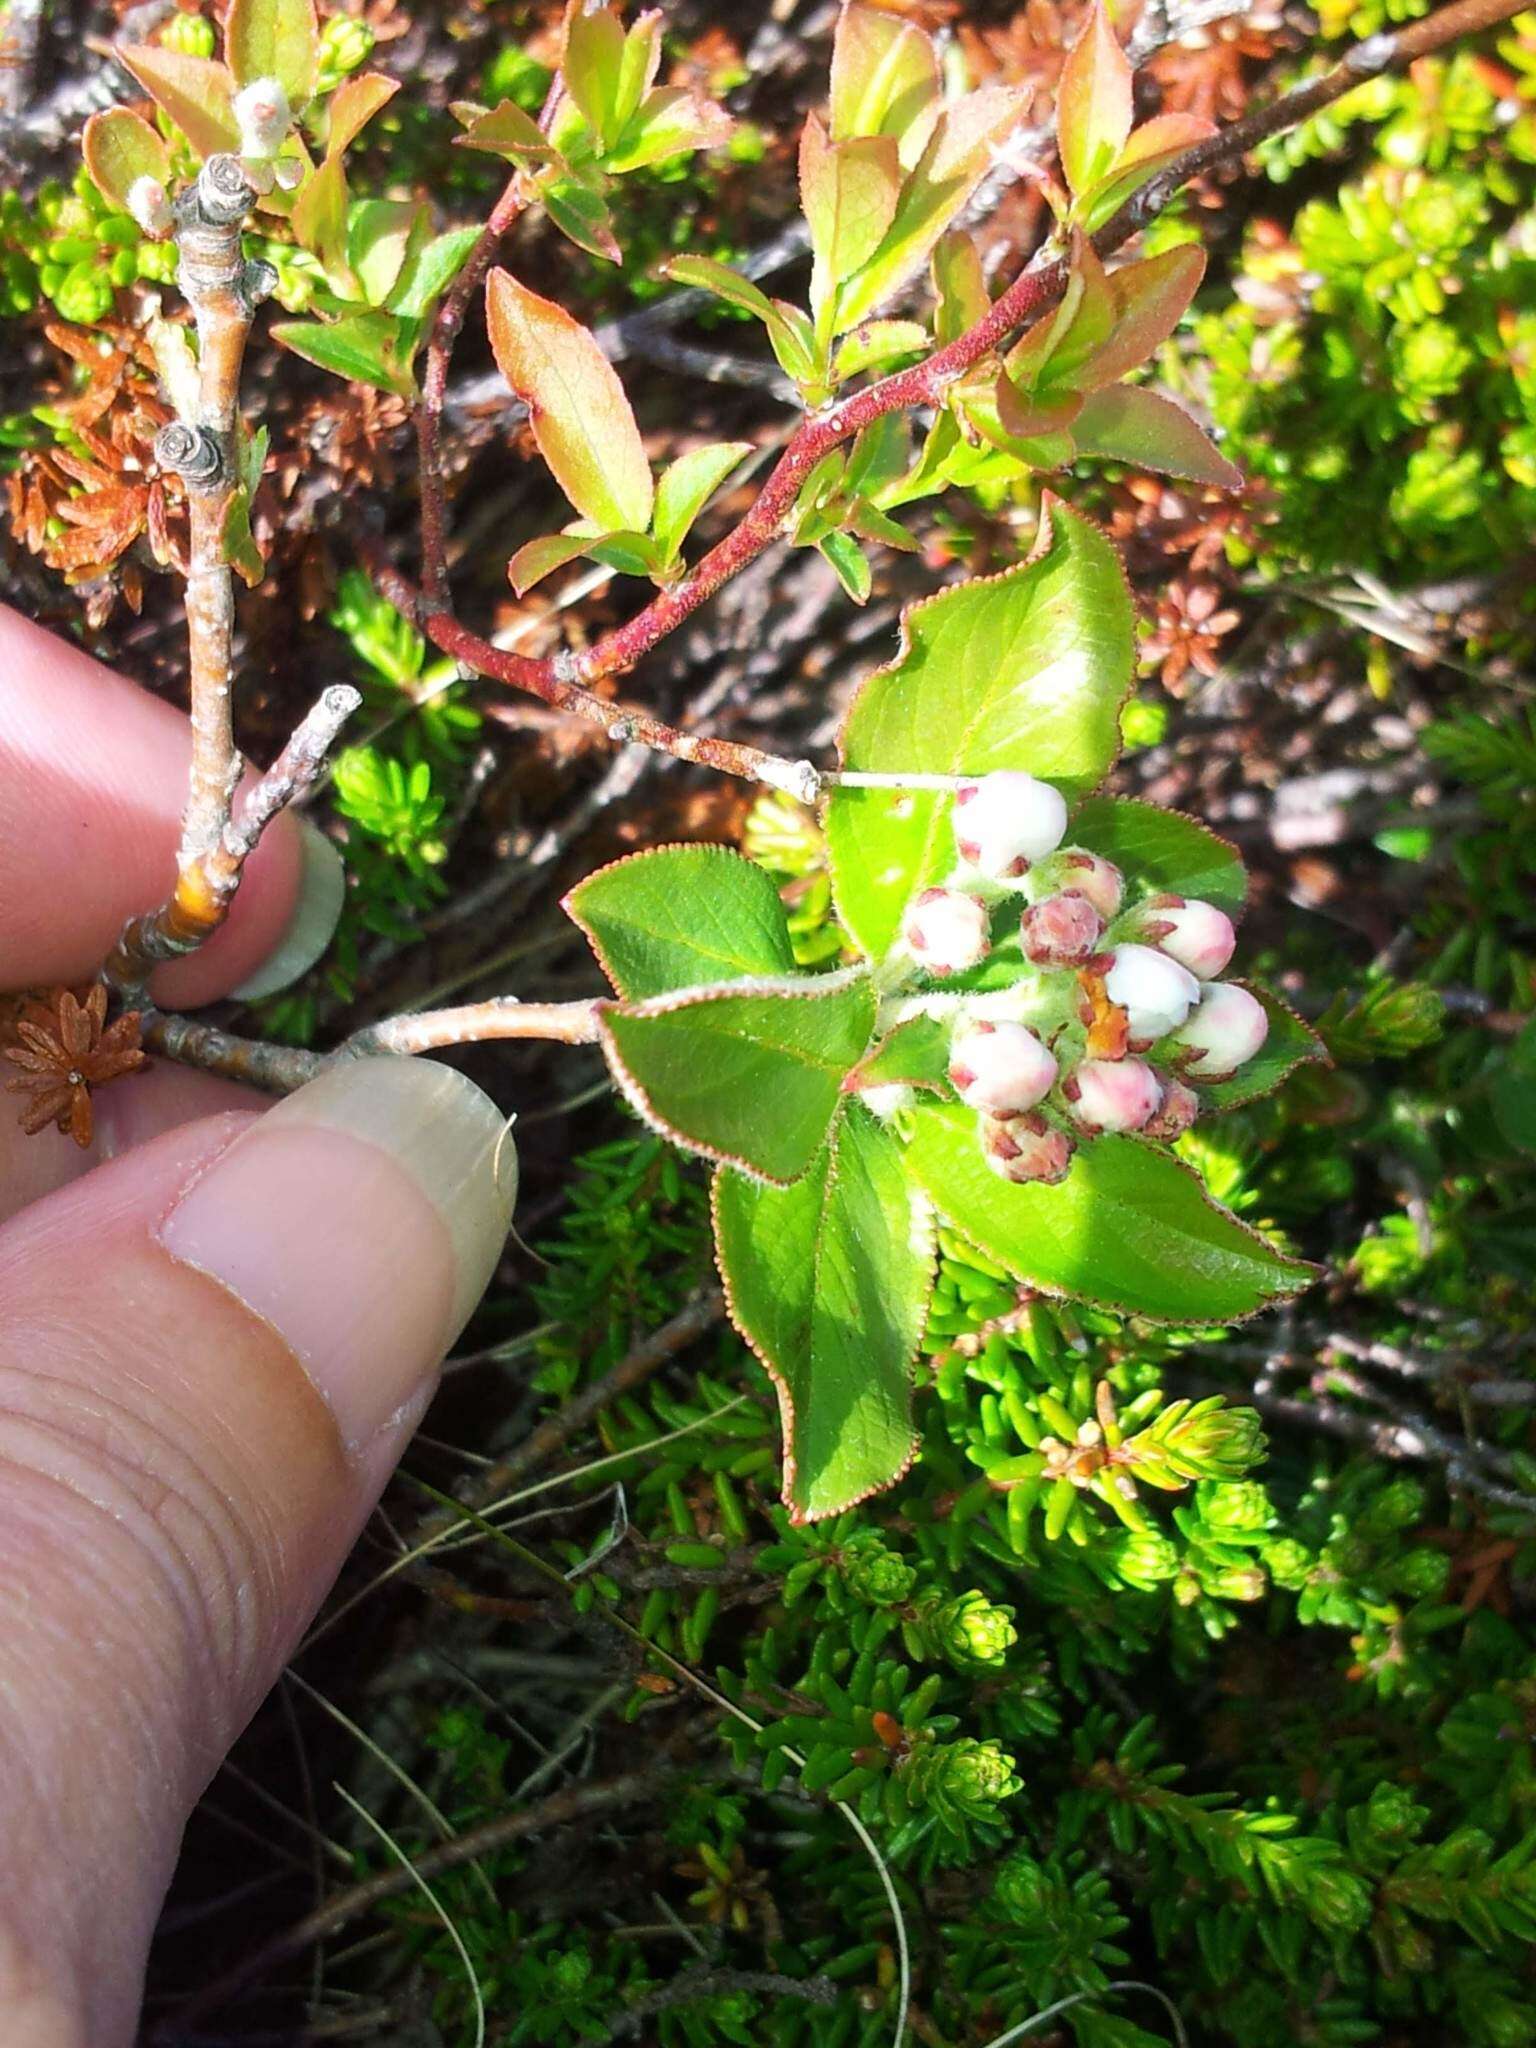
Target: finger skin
x=130 y=1112
x=93 y=776
x=174 y=1501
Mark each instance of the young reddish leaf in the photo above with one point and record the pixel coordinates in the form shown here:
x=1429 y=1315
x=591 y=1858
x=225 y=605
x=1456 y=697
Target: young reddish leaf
x=119 y=149
x=1021 y=416
x=829 y=1281
x=1150 y=299
x=1164 y=136
x=1128 y=423
x=885 y=79
x=353 y=105
x=536 y=559
x=592 y=64
x=576 y=404
x=1093 y=104
x=194 y=92
x=505 y=131
x=1056 y=354
x=274 y=39
x=849 y=192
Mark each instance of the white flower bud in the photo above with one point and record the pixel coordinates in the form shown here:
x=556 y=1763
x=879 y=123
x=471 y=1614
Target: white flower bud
x=1156 y=993
x=1113 y=1095
x=1002 y=1068
x=1061 y=931
x=1180 y=1106
x=1006 y=820
x=1099 y=880
x=948 y=931
x=1197 y=935
x=1227 y=1029
x=1027 y=1148
x=149 y=207
x=263 y=116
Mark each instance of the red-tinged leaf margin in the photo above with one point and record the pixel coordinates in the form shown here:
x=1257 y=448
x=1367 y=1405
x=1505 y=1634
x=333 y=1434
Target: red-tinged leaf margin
x=1308 y=1270
x=1235 y=908
x=690 y=998
x=1094 y=103
x=1142 y=428
x=568 y=900
x=353 y=105
x=781 y=1390
x=194 y=92
x=119 y=148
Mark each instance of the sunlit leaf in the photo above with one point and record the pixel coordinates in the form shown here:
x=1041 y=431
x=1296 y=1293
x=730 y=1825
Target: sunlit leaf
x=353 y=105
x=1093 y=103
x=676 y=917
x=1128 y=423
x=120 y=148
x=274 y=39
x=194 y=92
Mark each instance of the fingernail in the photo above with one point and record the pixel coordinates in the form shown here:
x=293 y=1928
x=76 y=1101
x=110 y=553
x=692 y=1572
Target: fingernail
x=362 y=1218
x=316 y=910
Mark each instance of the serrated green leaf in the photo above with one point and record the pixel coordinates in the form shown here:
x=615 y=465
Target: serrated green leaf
x=1289 y=1045
x=1128 y=423
x=1164 y=849
x=1130 y=1227
x=829 y=1281
x=194 y=92
x=580 y=416
x=368 y=348
x=686 y=486
x=274 y=39
x=119 y=149
x=1024 y=670
x=752 y=1078
x=678 y=916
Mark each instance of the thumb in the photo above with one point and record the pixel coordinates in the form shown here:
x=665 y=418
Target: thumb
x=212 y=1351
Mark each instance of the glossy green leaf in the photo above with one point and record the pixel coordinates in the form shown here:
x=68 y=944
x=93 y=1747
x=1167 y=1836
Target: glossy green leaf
x=849 y=564
x=1128 y=423
x=320 y=225
x=194 y=92
x=848 y=192
x=877 y=345
x=678 y=916
x=274 y=39
x=829 y=1281
x=430 y=267
x=582 y=216
x=914 y=1055
x=1149 y=299
x=1289 y=1045
x=539 y=558
x=1130 y=1227
x=752 y=1078
x=119 y=149
x=1093 y=103
x=959 y=286
x=686 y=486
x=1164 y=849
x=672 y=122
x=885 y=79
x=580 y=416
x=1024 y=670
x=591 y=67
x=368 y=348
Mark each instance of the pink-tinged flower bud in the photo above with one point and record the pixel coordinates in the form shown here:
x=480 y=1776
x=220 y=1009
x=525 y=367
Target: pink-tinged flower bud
x=1197 y=935
x=948 y=931
x=1113 y=1095
x=1156 y=993
x=1062 y=931
x=1099 y=880
x=1227 y=1029
x=1002 y=1068
x=1026 y=1148
x=1006 y=820
x=149 y=207
x=264 y=117
x=1180 y=1106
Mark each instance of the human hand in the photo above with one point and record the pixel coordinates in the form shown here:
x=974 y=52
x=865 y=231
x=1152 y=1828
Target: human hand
x=218 y=1328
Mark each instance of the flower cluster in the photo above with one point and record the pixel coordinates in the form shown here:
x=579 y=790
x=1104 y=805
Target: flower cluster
x=1116 y=1015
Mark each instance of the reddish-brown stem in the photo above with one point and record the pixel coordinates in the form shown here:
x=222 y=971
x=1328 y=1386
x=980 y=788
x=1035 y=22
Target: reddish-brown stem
x=434 y=389
x=1030 y=294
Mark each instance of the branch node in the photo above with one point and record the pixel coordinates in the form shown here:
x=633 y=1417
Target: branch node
x=258 y=281
x=799 y=779
x=223 y=193
x=193 y=453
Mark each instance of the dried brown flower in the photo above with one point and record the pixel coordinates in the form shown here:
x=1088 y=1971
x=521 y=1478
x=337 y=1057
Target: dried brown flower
x=65 y=1048
x=1188 y=629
